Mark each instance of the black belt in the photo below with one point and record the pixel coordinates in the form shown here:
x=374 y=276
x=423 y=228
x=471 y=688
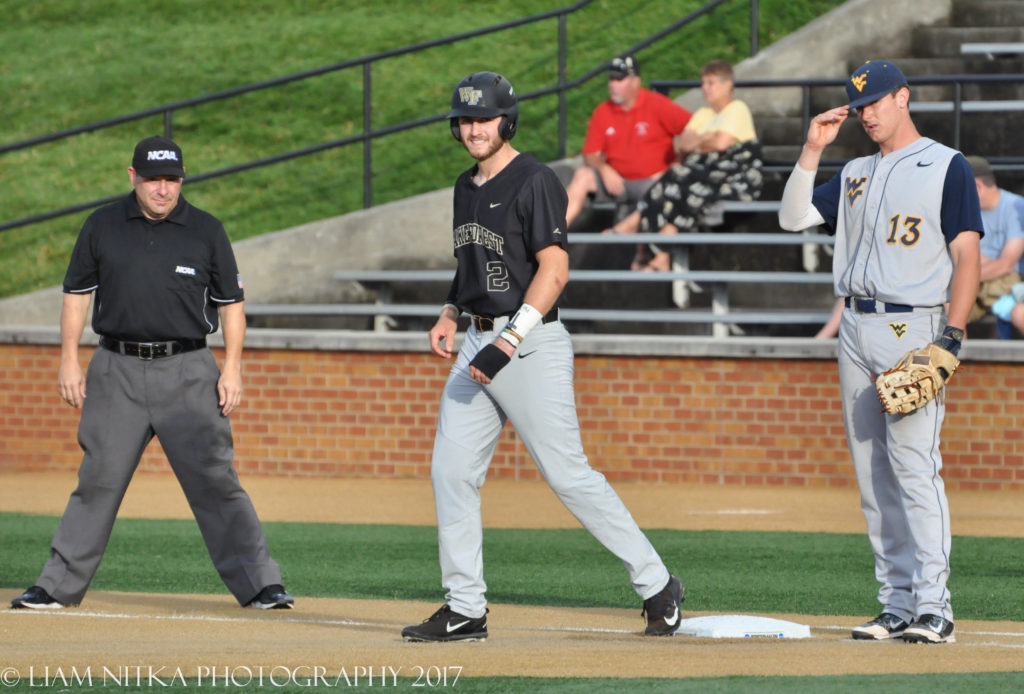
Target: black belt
x=873 y=306
x=151 y=350
x=485 y=324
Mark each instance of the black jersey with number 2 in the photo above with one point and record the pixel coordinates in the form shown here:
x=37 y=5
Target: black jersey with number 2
x=498 y=228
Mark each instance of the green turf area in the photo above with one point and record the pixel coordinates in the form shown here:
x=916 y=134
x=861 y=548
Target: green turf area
x=755 y=572
x=69 y=63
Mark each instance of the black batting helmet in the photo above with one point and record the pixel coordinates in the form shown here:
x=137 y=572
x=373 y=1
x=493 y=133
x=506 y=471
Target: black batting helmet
x=485 y=95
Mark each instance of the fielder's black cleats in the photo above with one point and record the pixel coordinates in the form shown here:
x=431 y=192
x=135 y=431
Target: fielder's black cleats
x=662 y=610
x=884 y=626
x=37 y=599
x=273 y=597
x=930 y=628
x=446 y=625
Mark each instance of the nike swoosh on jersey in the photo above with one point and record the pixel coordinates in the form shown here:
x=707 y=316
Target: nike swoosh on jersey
x=524 y=356
x=452 y=627
x=495 y=204
x=924 y=163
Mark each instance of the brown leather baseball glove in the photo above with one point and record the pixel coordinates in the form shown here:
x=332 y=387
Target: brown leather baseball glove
x=917 y=378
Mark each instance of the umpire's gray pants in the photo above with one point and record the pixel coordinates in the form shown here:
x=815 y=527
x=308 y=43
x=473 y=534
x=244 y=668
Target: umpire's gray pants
x=535 y=392
x=128 y=400
x=897 y=461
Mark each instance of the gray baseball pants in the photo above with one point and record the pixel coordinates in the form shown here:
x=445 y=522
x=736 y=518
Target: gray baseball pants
x=535 y=392
x=897 y=462
x=128 y=401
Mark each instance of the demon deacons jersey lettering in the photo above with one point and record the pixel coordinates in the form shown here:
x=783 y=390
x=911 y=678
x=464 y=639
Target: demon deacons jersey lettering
x=498 y=228
x=893 y=217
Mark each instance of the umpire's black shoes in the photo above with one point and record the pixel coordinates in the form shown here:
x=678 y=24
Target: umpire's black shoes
x=662 y=610
x=930 y=628
x=273 y=597
x=37 y=599
x=447 y=625
x=884 y=626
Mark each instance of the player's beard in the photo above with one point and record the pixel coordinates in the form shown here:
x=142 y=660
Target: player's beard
x=492 y=146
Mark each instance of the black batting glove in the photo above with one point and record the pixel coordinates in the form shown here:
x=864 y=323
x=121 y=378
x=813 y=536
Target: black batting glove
x=490 y=360
x=951 y=340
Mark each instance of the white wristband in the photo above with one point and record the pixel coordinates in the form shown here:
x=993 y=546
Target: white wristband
x=452 y=307
x=520 y=325
x=510 y=337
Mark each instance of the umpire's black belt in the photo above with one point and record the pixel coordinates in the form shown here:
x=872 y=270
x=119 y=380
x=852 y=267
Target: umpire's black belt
x=486 y=323
x=151 y=350
x=872 y=306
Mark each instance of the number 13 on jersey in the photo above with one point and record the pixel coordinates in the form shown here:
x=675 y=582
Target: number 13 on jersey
x=911 y=227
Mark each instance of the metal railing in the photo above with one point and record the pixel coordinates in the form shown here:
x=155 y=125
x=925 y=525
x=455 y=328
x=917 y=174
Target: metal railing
x=369 y=132
x=957 y=106
x=721 y=318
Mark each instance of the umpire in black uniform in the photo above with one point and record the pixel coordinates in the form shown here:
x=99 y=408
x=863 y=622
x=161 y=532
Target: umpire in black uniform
x=163 y=273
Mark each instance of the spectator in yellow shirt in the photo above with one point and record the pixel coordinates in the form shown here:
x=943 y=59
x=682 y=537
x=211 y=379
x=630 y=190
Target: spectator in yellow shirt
x=720 y=160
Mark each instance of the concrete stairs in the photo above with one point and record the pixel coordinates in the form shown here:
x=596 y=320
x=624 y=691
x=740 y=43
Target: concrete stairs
x=933 y=50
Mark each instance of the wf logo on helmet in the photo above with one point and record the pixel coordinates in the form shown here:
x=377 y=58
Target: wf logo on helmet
x=859 y=81
x=468 y=95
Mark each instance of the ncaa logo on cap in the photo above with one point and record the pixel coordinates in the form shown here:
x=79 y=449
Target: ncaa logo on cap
x=162 y=155
x=158 y=156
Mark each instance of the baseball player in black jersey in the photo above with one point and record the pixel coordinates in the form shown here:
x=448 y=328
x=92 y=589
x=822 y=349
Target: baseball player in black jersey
x=516 y=364
x=162 y=272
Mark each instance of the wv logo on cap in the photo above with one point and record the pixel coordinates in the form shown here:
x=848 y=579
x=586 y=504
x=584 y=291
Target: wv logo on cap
x=468 y=95
x=859 y=81
x=161 y=155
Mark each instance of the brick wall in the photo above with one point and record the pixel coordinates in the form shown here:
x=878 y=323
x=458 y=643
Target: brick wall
x=658 y=419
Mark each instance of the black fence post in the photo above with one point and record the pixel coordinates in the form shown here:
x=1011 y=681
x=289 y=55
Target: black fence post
x=367 y=139
x=753 y=27
x=562 y=110
x=957 y=111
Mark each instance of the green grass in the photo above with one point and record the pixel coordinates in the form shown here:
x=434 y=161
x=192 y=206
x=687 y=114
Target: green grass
x=749 y=572
x=759 y=572
x=69 y=63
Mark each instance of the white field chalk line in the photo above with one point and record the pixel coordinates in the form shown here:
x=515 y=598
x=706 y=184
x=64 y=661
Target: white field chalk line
x=288 y=620
x=356 y=623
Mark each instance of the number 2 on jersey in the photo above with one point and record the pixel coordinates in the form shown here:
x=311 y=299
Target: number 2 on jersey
x=912 y=234
x=497 y=276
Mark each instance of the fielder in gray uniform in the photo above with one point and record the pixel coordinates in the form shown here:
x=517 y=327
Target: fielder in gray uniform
x=516 y=363
x=907 y=224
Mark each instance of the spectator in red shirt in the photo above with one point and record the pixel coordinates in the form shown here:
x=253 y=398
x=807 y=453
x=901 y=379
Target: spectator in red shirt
x=628 y=143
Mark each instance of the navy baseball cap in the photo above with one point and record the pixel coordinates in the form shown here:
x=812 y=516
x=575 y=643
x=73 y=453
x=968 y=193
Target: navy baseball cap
x=623 y=67
x=158 y=156
x=873 y=80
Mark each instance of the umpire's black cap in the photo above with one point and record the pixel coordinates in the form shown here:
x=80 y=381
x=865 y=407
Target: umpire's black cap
x=158 y=156
x=873 y=80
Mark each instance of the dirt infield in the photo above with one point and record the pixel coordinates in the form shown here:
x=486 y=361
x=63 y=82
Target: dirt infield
x=208 y=635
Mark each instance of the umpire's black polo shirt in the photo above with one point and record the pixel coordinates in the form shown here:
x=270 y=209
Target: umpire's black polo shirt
x=154 y=280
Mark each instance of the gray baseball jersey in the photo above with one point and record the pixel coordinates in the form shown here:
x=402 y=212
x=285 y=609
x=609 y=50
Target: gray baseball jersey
x=894 y=217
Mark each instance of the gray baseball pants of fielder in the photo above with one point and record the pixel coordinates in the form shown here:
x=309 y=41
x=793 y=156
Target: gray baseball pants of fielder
x=535 y=392
x=128 y=400
x=897 y=462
